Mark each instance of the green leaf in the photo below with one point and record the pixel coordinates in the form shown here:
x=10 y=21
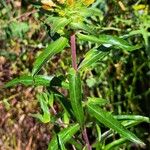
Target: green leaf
x=76 y=95
x=115 y=143
x=57 y=23
x=61 y=144
x=97 y=101
x=91 y=57
x=54 y=48
x=108 y=39
x=30 y=80
x=81 y=26
x=46 y=116
x=108 y=120
x=76 y=143
x=125 y=123
x=65 y=135
x=59 y=97
x=66 y=118
x=60 y=24
x=133 y=117
x=89 y=12
x=17 y=29
x=43 y=100
x=98 y=129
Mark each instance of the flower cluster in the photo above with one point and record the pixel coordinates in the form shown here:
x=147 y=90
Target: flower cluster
x=50 y=5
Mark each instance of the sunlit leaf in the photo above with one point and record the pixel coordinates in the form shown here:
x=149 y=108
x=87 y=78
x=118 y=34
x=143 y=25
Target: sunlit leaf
x=108 y=39
x=57 y=23
x=46 y=116
x=91 y=57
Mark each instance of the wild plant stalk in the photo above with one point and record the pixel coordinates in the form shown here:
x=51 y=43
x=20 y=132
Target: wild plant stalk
x=73 y=50
x=74 y=65
x=68 y=15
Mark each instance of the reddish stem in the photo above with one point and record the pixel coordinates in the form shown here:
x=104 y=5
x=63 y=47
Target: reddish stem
x=74 y=65
x=85 y=136
x=73 y=50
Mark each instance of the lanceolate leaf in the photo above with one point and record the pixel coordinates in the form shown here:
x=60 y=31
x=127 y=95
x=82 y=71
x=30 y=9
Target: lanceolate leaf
x=61 y=144
x=108 y=39
x=76 y=95
x=30 y=80
x=97 y=101
x=108 y=120
x=46 y=116
x=65 y=135
x=91 y=57
x=54 y=48
x=115 y=143
x=133 y=117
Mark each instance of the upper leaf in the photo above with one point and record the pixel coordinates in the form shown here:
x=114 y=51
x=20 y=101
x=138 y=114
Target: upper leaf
x=91 y=57
x=54 y=48
x=108 y=39
x=57 y=23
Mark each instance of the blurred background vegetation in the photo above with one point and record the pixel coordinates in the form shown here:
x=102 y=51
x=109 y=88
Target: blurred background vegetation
x=123 y=78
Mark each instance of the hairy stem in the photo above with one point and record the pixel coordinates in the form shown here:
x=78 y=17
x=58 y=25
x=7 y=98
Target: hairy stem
x=73 y=50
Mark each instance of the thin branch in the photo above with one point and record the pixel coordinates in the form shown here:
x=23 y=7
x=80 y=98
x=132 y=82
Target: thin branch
x=25 y=15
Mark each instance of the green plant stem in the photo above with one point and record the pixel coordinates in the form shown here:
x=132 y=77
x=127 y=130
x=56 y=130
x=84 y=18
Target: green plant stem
x=85 y=136
x=73 y=50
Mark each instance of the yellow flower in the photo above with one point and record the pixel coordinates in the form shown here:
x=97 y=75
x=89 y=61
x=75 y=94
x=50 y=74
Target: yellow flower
x=70 y=2
x=48 y=3
x=88 y=2
x=140 y=7
x=61 y=1
x=46 y=7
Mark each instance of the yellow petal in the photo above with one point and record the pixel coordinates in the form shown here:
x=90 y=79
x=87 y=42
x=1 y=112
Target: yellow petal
x=88 y=2
x=48 y=3
x=46 y=7
x=70 y=2
x=140 y=7
x=61 y=1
